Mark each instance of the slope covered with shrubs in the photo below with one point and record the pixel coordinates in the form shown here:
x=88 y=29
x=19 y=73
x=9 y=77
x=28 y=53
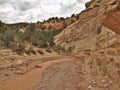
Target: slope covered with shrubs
x=15 y=36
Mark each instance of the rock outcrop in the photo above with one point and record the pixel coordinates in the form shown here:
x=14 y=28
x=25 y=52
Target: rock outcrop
x=9 y=58
x=98 y=27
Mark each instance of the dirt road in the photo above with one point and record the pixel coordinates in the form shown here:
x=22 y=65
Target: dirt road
x=30 y=79
x=90 y=71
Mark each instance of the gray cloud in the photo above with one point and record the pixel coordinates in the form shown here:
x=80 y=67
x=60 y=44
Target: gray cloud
x=12 y=11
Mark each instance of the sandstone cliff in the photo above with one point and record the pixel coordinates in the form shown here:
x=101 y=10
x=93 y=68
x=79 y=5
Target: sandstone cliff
x=98 y=27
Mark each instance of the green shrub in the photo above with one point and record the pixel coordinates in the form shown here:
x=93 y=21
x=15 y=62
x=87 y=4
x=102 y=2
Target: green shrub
x=2 y=37
x=56 y=32
x=69 y=50
x=40 y=52
x=59 y=49
x=99 y=30
x=20 y=48
x=27 y=52
x=32 y=51
x=48 y=50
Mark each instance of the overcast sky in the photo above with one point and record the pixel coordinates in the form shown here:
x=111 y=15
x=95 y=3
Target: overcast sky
x=13 y=11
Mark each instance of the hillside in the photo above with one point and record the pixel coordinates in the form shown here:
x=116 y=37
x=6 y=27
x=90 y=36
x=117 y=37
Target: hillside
x=96 y=28
x=23 y=37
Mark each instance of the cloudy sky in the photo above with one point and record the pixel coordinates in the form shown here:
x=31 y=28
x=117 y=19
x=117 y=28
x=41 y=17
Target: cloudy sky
x=13 y=11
